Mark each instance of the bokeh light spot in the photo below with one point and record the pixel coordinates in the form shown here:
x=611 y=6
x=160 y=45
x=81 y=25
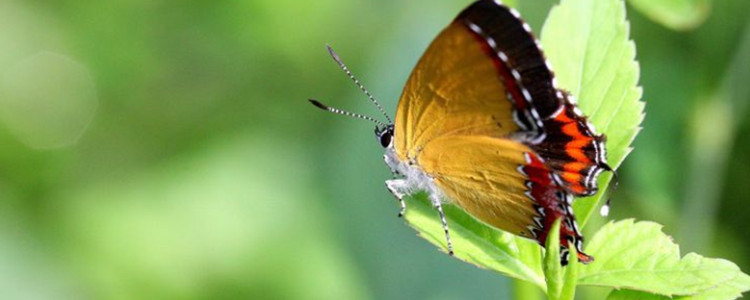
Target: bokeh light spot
x=47 y=100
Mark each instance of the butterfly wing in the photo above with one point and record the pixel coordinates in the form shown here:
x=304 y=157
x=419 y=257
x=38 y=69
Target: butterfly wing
x=501 y=182
x=480 y=174
x=454 y=90
x=564 y=138
x=476 y=115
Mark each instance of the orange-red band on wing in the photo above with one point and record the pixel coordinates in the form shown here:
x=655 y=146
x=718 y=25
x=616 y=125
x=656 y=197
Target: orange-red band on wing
x=573 y=151
x=554 y=203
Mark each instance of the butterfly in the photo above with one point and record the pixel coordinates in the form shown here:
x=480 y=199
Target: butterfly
x=481 y=124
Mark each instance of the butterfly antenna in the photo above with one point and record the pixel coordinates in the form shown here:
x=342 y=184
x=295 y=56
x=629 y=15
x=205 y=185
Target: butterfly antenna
x=616 y=181
x=356 y=81
x=345 y=113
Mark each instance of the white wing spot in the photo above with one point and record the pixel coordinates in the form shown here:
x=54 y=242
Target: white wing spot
x=517 y=76
x=547 y=63
x=520 y=170
x=534 y=113
x=475 y=28
x=525 y=93
x=492 y=43
x=515 y=13
x=528 y=29
x=502 y=56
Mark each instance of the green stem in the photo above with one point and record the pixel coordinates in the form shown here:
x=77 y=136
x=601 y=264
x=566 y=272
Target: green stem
x=525 y=290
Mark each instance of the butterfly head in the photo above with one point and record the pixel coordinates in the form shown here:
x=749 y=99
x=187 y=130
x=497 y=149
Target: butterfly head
x=384 y=134
x=383 y=130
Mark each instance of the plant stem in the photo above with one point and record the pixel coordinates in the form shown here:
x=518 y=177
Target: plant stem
x=526 y=291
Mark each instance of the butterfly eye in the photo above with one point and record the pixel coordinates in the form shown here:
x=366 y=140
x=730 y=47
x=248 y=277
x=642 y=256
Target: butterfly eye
x=385 y=138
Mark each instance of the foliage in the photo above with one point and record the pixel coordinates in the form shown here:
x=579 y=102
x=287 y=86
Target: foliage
x=675 y=14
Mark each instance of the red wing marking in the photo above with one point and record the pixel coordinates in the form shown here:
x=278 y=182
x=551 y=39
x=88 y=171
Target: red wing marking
x=510 y=85
x=553 y=203
x=573 y=151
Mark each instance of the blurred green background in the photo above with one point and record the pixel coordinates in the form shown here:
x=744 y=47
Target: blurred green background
x=166 y=150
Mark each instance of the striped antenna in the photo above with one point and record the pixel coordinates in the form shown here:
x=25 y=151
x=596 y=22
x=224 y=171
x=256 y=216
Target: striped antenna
x=345 y=113
x=359 y=84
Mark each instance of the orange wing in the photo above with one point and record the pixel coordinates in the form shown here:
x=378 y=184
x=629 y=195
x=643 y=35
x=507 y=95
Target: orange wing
x=455 y=89
x=502 y=183
x=480 y=174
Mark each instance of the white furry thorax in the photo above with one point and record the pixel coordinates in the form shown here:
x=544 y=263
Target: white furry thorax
x=413 y=178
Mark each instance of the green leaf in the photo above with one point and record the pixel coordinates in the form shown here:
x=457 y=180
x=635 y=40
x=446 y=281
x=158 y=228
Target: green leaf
x=552 y=268
x=587 y=43
x=638 y=256
x=730 y=290
x=571 y=275
x=675 y=14
x=475 y=242
x=561 y=282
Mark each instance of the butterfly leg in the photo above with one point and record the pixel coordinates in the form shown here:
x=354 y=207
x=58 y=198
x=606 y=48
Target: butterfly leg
x=445 y=228
x=398 y=188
